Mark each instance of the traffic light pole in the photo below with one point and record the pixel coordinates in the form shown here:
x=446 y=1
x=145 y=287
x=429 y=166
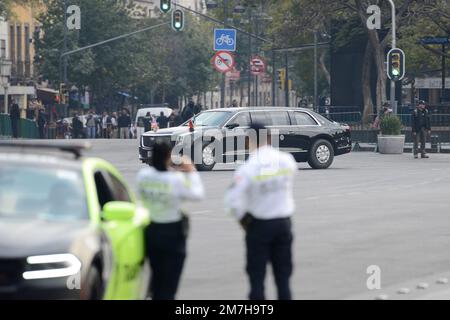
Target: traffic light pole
x=316 y=104
x=273 y=79
x=394 y=45
x=286 y=80
x=222 y=84
x=443 y=73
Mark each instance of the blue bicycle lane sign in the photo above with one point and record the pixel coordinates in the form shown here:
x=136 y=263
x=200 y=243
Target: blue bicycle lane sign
x=225 y=40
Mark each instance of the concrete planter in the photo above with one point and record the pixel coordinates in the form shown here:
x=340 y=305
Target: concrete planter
x=391 y=144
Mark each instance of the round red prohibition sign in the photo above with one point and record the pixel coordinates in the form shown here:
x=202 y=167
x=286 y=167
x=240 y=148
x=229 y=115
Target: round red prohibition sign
x=223 y=61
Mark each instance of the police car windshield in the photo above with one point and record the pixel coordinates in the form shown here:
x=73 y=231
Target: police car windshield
x=211 y=118
x=41 y=193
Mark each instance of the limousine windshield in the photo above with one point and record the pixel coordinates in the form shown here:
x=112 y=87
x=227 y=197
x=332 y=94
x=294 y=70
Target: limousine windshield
x=211 y=119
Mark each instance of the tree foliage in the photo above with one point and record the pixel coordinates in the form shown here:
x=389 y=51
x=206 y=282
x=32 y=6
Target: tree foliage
x=155 y=66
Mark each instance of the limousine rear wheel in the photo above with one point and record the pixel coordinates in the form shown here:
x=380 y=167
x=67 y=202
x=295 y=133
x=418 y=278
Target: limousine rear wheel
x=208 y=158
x=321 y=155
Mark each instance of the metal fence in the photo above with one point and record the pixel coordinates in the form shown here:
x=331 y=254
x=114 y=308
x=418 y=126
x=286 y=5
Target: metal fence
x=355 y=119
x=26 y=129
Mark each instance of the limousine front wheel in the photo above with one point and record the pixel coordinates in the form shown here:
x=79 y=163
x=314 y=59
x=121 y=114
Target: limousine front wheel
x=321 y=155
x=208 y=159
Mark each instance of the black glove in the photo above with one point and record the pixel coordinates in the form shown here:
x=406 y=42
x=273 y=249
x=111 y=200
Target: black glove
x=246 y=221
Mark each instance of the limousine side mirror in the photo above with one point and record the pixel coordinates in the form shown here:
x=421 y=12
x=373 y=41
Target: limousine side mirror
x=232 y=126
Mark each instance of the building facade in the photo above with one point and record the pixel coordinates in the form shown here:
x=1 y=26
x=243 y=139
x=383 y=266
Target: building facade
x=150 y=8
x=21 y=27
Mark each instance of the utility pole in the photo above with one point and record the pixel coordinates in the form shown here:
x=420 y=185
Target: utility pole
x=222 y=86
x=65 y=44
x=394 y=45
x=249 y=87
x=316 y=104
x=286 y=79
x=443 y=73
x=273 y=79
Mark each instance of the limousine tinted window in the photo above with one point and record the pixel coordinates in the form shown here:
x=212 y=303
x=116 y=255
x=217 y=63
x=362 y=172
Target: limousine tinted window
x=213 y=118
x=280 y=118
x=304 y=119
x=261 y=117
x=242 y=119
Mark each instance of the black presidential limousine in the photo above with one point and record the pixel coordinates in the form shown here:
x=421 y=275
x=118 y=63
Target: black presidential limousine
x=308 y=136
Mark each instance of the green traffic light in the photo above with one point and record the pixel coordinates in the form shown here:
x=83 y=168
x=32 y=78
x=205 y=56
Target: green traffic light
x=396 y=72
x=165 y=5
x=178 y=20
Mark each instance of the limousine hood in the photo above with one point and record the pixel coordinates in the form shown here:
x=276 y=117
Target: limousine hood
x=175 y=131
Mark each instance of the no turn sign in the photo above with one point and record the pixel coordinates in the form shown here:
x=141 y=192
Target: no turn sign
x=257 y=65
x=223 y=61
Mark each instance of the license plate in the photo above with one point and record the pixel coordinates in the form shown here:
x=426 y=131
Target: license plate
x=149 y=153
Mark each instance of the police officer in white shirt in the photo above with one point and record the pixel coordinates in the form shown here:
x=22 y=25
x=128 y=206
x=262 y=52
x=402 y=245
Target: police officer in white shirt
x=261 y=198
x=162 y=188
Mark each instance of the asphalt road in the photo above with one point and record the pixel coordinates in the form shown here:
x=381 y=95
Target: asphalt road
x=367 y=209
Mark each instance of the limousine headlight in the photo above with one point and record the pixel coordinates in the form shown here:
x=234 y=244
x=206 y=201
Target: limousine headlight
x=52 y=266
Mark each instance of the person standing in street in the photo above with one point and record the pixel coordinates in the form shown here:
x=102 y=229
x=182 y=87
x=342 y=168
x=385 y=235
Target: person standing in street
x=420 y=127
x=114 y=126
x=91 y=125
x=41 y=122
x=77 y=127
x=162 y=188
x=177 y=119
x=163 y=121
x=106 y=126
x=261 y=198
x=15 y=117
x=147 y=122
x=188 y=111
x=124 y=124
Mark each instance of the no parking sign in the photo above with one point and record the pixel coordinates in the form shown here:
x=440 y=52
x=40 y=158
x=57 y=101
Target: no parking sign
x=223 y=61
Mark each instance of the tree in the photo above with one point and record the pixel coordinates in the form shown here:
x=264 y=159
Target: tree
x=299 y=16
x=157 y=65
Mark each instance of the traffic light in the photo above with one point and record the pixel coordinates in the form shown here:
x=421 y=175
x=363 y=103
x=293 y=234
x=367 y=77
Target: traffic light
x=281 y=78
x=165 y=5
x=62 y=93
x=178 y=20
x=396 y=64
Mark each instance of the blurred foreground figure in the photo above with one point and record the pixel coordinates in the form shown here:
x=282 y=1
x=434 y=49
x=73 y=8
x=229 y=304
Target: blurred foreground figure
x=162 y=187
x=261 y=197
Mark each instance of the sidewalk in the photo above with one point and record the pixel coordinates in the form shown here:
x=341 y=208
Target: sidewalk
x=370 y=147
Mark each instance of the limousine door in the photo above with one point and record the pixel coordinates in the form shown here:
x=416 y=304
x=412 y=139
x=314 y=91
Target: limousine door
x=278 y=122
x=303 y=128
x=234 y=142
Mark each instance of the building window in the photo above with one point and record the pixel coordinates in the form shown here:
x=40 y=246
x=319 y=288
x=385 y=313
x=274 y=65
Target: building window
x=12 y=43
x=19 y=50
x=2 y=48
x=27 y=43
x=19 y=42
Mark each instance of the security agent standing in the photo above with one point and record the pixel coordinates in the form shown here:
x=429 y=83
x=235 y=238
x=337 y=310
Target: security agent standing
x=162 y=188
x=421 y=126
x=261 y=197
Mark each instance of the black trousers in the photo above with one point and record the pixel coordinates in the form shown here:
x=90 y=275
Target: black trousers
x=15 y=128
x=269 y=241
x=166 y=249
x=421 y=137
